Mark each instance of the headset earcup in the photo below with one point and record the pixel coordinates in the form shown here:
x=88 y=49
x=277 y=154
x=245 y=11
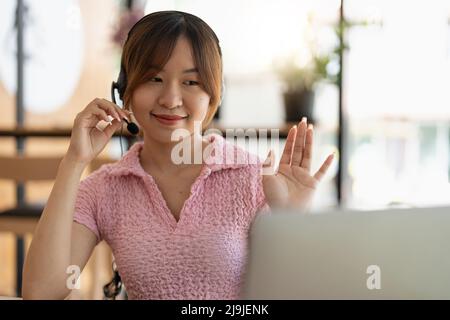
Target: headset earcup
x=122 y=82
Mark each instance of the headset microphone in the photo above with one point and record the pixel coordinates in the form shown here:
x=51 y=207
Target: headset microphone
x=131 y=126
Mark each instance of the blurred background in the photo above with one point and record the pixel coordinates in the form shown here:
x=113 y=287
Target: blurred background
x=373 y=77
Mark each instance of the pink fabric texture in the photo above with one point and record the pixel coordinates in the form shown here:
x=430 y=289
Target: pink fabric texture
x=203 y=255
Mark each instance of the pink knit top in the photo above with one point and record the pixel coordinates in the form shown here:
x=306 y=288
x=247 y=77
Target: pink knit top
x=203 y=255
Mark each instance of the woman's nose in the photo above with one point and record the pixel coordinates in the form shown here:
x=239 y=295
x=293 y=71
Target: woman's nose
x=170 y=97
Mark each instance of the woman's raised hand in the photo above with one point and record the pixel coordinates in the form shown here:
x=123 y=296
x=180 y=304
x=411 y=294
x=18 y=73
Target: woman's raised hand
x=87 y=140
x=293 y=185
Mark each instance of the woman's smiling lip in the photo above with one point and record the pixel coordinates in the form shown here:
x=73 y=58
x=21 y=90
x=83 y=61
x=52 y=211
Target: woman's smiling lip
x=168 y=120
x=168 y=116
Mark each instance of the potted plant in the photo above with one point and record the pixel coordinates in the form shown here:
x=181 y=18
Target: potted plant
x=299 y=83
x=303 y=70
x=300 y=79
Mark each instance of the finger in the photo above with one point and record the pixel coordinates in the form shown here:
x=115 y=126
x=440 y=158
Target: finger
x=99 y=104
x=299 y=144
x=100 y=114
x=117 y=109
x=109 y=130
x=124 y=113
x=269 y=164
x=323 y=169
x=307 y=154
x=267 y=161
x=110 y=108
x=287 y=152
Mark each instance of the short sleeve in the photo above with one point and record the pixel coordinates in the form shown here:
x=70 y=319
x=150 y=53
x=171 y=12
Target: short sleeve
x=86 y=206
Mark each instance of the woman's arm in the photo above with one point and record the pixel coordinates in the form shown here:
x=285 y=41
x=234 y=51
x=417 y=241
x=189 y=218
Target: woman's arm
x=58 y=242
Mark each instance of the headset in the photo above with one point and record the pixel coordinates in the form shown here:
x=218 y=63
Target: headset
x=121 y=84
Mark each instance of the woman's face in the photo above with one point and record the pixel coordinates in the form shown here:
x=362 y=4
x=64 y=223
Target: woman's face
x=173 y=98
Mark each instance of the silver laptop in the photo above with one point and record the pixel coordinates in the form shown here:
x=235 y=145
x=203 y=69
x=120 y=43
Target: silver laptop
x=389 y=254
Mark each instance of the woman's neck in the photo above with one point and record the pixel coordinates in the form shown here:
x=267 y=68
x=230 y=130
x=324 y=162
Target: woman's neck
x=156 y=155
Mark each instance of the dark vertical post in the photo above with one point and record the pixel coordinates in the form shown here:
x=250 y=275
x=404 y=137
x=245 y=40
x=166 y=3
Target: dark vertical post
x=20 y=141
x=448 y=164
x=342 y=128
x=129 y=140
x=129 y=4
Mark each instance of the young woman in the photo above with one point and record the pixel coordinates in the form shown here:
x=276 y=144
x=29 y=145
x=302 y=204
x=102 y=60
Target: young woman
x=177 y=231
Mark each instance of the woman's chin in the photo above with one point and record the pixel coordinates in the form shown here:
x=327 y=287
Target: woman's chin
x=167 y=136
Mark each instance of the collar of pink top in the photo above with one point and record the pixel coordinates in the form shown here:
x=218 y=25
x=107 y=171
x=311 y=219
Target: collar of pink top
x=220 y=155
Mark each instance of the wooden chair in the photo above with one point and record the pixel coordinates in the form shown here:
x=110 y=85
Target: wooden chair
x=22 y=219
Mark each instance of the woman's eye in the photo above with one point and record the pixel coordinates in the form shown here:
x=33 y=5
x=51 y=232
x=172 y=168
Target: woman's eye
x=194 y=83
x=188 y=82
